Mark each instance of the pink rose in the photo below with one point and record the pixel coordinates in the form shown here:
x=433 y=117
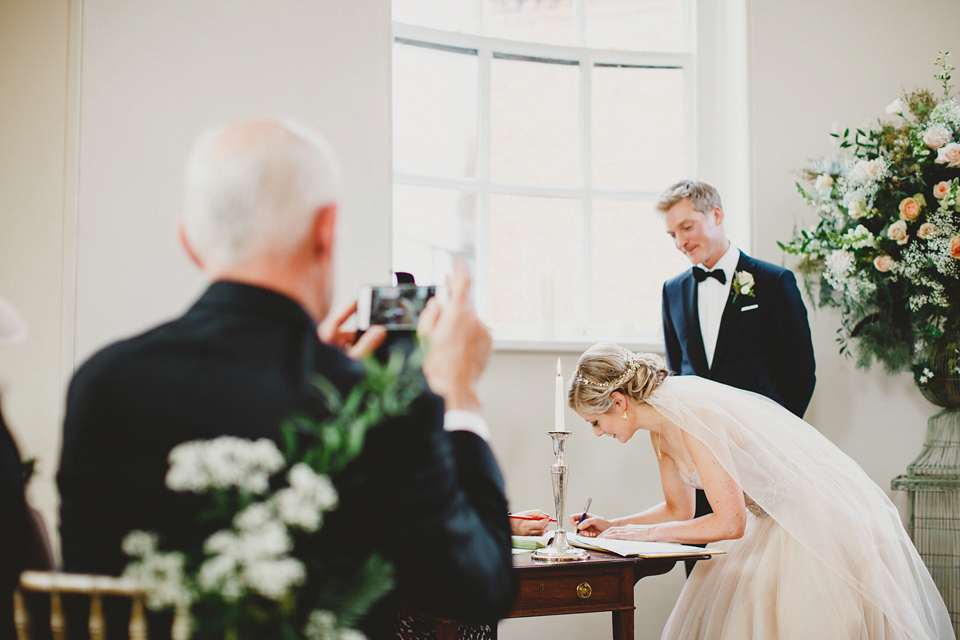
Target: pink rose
x=949 y=155
x=941 y=189
x=898 y=232
x=884 y=262
x=955 y=247
x=909 y=209
x=936 y=136
x=927 y=230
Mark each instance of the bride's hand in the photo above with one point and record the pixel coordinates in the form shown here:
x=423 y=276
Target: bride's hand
x=639 y=532
x=592 y=525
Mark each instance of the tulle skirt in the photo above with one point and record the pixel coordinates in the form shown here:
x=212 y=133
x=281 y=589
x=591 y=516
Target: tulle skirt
x=768 y=586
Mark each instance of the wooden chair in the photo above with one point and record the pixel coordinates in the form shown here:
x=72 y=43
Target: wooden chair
x=93 y=586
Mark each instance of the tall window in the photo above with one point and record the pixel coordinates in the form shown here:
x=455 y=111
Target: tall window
x=532 y=137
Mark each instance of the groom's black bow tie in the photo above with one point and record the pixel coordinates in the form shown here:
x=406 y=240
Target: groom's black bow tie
x=700 y=275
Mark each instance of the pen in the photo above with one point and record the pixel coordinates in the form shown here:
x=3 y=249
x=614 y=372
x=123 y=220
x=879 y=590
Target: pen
x=585 y=509
x=529 y=518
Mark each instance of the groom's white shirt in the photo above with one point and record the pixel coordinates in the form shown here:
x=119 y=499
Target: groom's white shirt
x=712 y=298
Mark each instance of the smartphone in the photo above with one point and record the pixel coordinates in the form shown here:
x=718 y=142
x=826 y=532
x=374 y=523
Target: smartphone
x=397 y=308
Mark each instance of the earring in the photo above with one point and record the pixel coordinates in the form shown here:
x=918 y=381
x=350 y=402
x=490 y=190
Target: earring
x=624 y=415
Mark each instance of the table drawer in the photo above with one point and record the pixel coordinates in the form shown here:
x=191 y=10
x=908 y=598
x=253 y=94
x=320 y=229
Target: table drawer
x=583 y=592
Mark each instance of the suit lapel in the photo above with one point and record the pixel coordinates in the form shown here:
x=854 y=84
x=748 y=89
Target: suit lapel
x=691 y=317
x=730 y=317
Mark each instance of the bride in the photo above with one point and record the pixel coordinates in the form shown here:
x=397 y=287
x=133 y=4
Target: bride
x=814 y=548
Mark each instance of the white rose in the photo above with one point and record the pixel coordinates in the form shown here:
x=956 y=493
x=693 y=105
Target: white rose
x=857 y=209
x=949 y=155
x=866 y=170
x=898 y=232
x=927 y=230
x=824 y=181
x=895 y=107
x=745 y=279
x=861 y=237
x=936 y=136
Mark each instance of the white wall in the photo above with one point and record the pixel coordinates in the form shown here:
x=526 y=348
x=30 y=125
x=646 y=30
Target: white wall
x=33 y=95
x=155 y=74
x=99 y=100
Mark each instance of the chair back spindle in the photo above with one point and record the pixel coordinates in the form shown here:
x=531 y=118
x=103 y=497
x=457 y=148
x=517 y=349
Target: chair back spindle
x=95 y=587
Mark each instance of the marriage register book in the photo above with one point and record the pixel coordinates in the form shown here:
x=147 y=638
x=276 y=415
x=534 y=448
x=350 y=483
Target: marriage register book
x=625 y=548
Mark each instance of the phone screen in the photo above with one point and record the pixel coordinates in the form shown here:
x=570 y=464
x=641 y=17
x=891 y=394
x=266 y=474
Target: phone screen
x=398 y=307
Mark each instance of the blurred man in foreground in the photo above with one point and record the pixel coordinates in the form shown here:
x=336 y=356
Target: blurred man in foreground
x=426 y=492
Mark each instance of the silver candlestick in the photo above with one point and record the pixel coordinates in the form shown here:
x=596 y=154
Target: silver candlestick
x=559 y=549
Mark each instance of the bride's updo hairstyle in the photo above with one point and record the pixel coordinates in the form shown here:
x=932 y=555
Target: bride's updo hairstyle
x=605 y=368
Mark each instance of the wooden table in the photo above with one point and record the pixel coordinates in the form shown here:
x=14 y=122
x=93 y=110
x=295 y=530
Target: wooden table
x=603 y=582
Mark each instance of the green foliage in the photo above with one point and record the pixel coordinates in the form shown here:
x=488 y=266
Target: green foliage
x=334 y=589
x=386 y=390
x=945 y=70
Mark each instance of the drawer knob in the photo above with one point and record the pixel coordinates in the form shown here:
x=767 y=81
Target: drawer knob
x=584 y=590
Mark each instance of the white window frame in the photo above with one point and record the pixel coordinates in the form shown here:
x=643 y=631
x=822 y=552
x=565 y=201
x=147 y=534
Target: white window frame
x=709 y=133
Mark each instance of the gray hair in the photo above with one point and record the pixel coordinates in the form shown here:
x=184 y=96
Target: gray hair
x=252 y=187
x=605 y=368
x=702 y=196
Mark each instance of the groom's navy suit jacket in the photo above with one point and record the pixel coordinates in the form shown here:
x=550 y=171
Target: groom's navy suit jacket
x=764 y=340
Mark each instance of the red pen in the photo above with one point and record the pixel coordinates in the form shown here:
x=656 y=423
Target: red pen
x=530 y=518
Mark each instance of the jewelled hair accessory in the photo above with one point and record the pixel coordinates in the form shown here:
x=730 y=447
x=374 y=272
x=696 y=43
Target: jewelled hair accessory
x=633 y=363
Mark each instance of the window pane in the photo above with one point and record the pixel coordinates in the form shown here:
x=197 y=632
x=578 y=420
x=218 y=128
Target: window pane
x=429 y=227
x=450 y=15
x=632 y=257
x=546 y=21
x=638 y=136
x=434 y=112
x=535 y=266
x=534 y=123
x=636 y=25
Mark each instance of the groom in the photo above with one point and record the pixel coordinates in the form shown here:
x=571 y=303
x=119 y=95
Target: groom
x=731 y=318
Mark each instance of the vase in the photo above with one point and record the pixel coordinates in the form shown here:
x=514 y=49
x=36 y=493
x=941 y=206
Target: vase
x=932 y=481
x=942 y=357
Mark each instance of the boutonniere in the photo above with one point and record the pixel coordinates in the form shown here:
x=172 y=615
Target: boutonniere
x=743 y=284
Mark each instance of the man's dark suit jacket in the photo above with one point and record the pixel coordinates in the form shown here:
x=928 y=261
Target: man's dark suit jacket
x=16 y=527
x=766 y=349
x=239 y=362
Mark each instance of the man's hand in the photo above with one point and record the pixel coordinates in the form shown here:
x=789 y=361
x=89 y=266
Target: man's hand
x=458 y=345
x=331 y=331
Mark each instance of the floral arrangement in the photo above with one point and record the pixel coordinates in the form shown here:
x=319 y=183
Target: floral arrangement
x=886 y=246
x=261 y=573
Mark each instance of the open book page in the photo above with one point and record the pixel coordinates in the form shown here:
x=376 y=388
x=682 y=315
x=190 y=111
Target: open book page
x=629 y=548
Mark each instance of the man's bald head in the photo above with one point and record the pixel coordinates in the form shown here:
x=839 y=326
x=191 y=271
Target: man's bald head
x=252 y=188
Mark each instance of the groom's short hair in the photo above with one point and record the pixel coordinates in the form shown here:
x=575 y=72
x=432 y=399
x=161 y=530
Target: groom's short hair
x=702 y=196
